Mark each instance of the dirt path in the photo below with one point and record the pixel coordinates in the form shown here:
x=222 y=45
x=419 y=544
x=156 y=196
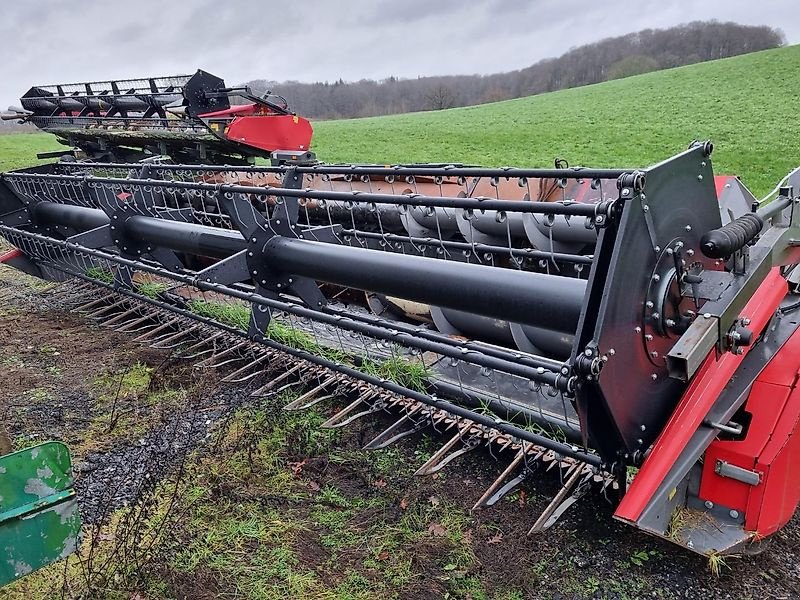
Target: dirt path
x=284 y=510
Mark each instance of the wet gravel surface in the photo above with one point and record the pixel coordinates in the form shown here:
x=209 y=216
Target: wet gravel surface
x=125 y=471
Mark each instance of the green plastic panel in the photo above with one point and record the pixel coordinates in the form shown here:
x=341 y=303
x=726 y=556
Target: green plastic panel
x=39 y=519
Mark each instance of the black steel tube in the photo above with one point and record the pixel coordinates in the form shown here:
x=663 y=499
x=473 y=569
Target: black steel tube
x=779 y=204
x=175 y=235
x=70 y=215
x=185 y=237
x=518 y=296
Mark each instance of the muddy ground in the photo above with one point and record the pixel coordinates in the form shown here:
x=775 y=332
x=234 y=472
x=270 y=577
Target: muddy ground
x=347 y=522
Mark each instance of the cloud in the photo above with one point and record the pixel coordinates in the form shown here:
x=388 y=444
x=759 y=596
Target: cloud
x=55 y=41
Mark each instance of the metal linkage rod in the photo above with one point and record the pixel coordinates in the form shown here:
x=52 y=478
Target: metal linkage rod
x=532 y=367
x=393 y=171
x=568 y=208
x=577 y=259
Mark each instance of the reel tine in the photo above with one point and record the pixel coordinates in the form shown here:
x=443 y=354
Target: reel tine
x=130 y=325
x=200 y=344
x=237 y=376
x=314 y=402
x=560 y=503
x=95 y=314
x=96 y=302
x=344 y=416
x=489 y=497
x=168 y=343
x=440 y=458
x=210 y=364
x=298 y=403
x=77 y=295
x=147 y=336
x=388 y=436
x=471 y=444
x=264 y=390
x=143 y=329
x=121 y=317
x=160 y=338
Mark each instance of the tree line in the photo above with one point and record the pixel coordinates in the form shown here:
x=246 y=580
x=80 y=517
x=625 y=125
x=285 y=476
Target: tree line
x=611 y=58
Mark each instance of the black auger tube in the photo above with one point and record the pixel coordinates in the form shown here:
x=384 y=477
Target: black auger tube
x=175 y=235
x=518 y=296
x=186 y=237
x=70 y=215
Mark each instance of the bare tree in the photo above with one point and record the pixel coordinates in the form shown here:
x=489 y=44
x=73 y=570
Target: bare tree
x=440 y=97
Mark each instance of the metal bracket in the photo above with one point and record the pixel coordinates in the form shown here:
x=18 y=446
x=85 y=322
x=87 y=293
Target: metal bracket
x=16 y=218
x=726 y=469
x=258 y=232
x=648 y=220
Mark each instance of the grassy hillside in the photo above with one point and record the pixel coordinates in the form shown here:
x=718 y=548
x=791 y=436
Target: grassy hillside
x=20 y=149
x=748 y=105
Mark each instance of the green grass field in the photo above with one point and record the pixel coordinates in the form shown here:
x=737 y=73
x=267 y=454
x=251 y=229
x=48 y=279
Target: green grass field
x=748 y=106
x=19 y=149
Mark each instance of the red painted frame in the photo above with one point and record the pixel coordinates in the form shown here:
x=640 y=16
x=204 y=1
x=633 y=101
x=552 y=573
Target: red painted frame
x=10 y=255
x=697 y=400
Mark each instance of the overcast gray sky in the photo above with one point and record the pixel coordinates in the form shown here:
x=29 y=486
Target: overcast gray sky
x=64 y=41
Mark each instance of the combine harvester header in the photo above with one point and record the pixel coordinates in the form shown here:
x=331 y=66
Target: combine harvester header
x=193 y=118
x=631 y=330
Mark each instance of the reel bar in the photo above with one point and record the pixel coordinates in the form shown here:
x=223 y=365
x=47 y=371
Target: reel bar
x=578 y=259
x=548 y=208
x=379 y=170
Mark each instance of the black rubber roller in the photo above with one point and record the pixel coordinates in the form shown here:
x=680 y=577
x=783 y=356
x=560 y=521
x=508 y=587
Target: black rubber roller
x=722 y=242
